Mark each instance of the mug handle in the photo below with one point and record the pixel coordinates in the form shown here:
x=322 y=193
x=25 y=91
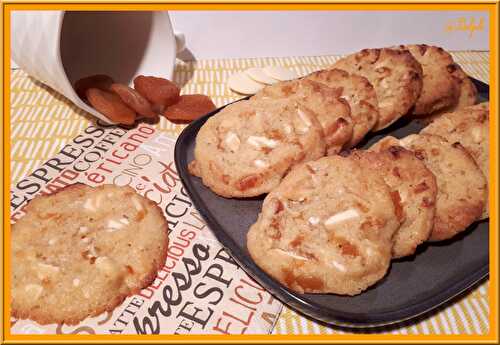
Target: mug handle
x=180 y=41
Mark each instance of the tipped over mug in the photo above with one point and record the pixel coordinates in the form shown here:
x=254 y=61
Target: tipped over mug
x=60 y=47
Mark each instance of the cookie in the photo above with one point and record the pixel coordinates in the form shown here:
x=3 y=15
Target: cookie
x=470 y=127
x=395 y=75
x=246 y=148
x=332 y=112
x=462 y=189
x=327 y=228
x=468 y=91
x=406 y=174
x=440 y=88
x=360 y=95
x=82 y=251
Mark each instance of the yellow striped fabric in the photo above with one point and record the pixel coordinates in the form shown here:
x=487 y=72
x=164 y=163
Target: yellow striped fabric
x=42 y=121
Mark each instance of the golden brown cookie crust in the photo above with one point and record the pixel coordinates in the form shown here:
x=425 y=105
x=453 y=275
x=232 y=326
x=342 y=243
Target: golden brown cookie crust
x=409 y=176
x=246 y=148
x=462 y=187
x=470 y=127
x=468 y=91
x=327 y=228
x=441 y=88
x=360 y=95
x=332 y=112
x=81 y=251
x=395 y=75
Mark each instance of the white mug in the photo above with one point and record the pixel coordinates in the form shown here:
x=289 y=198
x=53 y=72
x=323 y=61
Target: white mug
x=60 y=47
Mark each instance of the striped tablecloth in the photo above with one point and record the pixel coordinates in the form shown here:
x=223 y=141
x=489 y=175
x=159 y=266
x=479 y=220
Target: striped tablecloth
x=42 y=121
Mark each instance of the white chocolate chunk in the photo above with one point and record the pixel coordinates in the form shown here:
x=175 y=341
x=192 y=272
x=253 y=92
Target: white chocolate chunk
x=476 y=135
x=33 y=290
x=371 y=250
x=114 y=225
x=258 y=142
x=346 y=98
x=124 y=221
x=232 y=141
x=339 y=266
x=341 y=217
x=293 y=255
x=302 y=122
x=280 y=73
x=137 y=204
x=242 y=83
x=259 y=163
x=260 y=76
x=93 y=204
x=48 y=267
x=92 y=251
x=384 y=104
x=403 y=195
x=76 y=282
x=105 y=265
x=303 y=116
x=46 y=271
x=89 y=204
x=83 y=230
x=313 y=220
x=384 y=83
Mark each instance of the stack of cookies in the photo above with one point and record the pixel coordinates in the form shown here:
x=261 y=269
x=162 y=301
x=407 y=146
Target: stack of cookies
x=334 y=217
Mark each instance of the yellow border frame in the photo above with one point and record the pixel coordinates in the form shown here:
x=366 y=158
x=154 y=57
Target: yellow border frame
x=489 y=6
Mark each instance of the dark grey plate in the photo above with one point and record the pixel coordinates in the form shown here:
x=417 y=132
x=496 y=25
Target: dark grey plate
x=413 y=286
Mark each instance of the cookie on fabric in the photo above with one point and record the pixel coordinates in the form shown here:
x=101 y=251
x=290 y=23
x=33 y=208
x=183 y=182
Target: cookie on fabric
x=332 y=112
x=327 y=228
x=408 y=175
x=396 y=76
x=246 y=148
x=441 y=88
x=462 y=187
x=359 y=94
x=470 y=127
x=81 y=251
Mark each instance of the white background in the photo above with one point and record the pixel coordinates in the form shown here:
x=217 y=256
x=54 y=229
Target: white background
x=240 y=34
x=230 y=34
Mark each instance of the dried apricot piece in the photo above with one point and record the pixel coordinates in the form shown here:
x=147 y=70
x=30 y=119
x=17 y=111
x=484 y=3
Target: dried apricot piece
x=159 y=91
x=133 y=100
x=111 y=105
x=189 y=108
x=98 y=81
